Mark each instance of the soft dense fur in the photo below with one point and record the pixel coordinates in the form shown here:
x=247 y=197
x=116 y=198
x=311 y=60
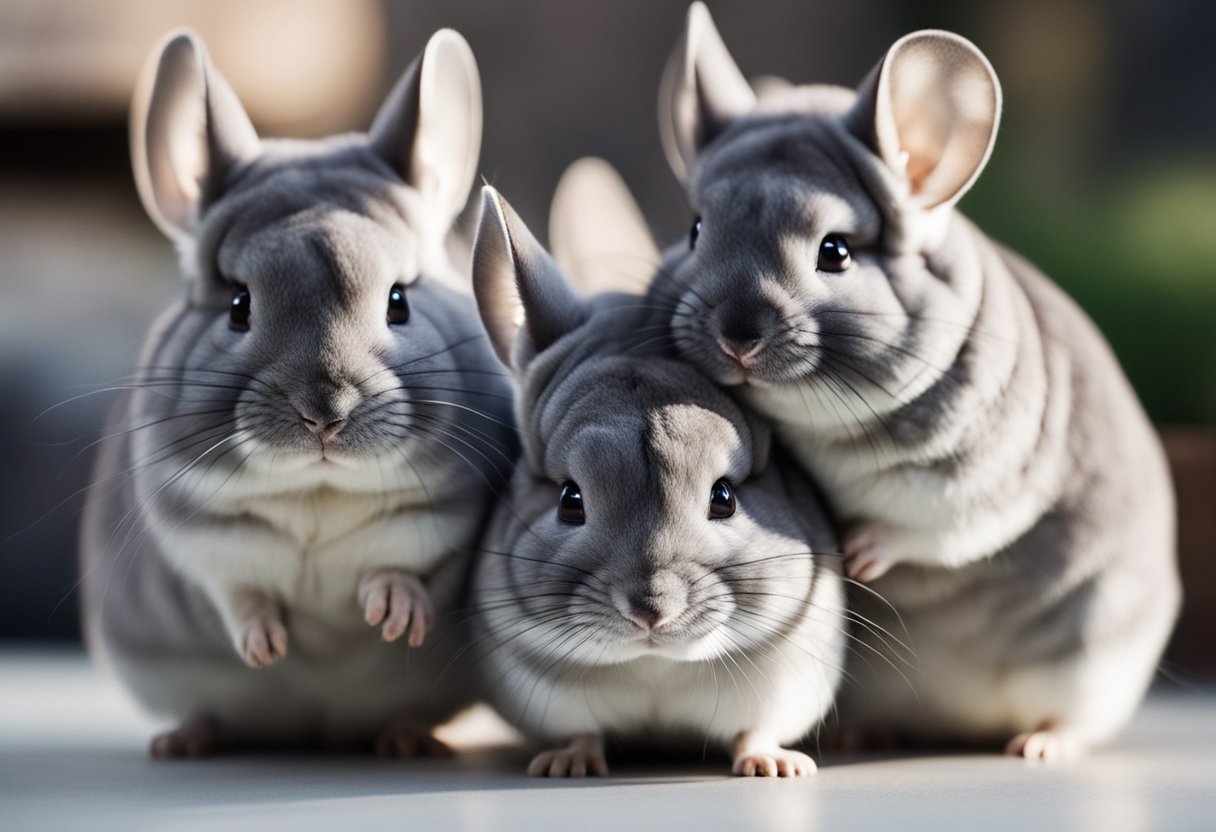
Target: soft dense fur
x=744 y=641
x=966 y=421
x=223 y=531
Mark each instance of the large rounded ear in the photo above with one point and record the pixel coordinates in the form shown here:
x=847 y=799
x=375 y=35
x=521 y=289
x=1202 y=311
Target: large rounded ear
x=429 y=128
x=702 y=91
x=930 y=110
x=188 y=130
x=597 y=232
x=518 y=286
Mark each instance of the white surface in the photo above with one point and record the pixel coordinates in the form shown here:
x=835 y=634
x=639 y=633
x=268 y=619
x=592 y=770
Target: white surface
x=72 y=753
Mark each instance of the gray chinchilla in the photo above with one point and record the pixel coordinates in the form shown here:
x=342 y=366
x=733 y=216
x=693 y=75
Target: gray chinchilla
x=650 y=575
x=308 y=449
x=996 y=477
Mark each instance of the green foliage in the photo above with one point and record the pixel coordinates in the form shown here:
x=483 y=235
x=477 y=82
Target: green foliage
x=1140 y=256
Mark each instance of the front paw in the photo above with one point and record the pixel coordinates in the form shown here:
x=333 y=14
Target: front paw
x=263 y=639
x=758 y=755
x=779 y=762
x=868 y=553
x=582 y=757
x=396 y=602
x=255 y=623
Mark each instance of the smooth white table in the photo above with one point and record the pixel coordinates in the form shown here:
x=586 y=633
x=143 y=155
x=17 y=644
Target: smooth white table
x=72 y=755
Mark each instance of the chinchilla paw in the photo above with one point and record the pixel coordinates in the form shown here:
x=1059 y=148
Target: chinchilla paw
x=868 y=554
x=192 y=739
x=1045 y=743
x=581 y=758
x=263 y=639
x=398 y=603
x=776 y=762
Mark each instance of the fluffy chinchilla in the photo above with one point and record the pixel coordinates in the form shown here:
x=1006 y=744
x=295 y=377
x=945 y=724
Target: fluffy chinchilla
x=650 y=575
x=997 y=479
x=300 y=469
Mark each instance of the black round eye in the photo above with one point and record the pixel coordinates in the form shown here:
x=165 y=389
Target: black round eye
x=721 y=500
x=834 y=254
x=570 y=505
x=398 y=306
x=694 y=233
x=238 y=313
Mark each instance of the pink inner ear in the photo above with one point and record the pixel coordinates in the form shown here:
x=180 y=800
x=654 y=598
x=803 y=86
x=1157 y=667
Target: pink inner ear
x=936 y=115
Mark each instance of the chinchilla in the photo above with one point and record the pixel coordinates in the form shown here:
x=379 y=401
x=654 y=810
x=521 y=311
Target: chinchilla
x=650 y=575
x=996 y=478
x=311 y=441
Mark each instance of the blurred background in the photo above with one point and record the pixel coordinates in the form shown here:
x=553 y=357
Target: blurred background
x=1104 y=175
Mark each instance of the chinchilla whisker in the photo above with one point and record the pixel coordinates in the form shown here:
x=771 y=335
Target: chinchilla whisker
x=646 y=343
x=476 y=642
x=434 y=428
x=858 y=396
x=463 y=407
x=111 y=389
x=183 y=373
x=768 y=630
x=885 y=636
x=943 y=372
x=182 y=521
x=181 y=472
x=735 y=648
x=878 y=596
x=134 y=511
x=517 y=556
x=416 y=419
x=394 y=368
x=463 y=390
x=125 y=431
x=970 y=327
x=471 y=435
x=456 y=371
x=94 y=484
x=560 y=650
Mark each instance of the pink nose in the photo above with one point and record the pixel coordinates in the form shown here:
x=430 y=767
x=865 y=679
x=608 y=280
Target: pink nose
x=742 y=351
x=325 y=430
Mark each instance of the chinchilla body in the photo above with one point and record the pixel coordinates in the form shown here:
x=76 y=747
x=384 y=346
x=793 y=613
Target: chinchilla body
x=650 y=575
x=1001 y=488
x=298 y=471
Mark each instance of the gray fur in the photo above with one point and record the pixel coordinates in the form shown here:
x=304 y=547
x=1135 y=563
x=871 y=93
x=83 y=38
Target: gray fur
x=752 y=653
x=967 y=422
x=215 y=510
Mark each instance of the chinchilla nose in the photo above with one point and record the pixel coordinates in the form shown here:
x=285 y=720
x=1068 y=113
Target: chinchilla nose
x=325 y=408
x=741 y=335
x=326 y=429
x=656 y=602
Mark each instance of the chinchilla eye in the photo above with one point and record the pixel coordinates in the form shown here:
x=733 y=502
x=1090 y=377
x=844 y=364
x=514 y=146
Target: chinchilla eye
x=398 y=306
x=694 y=233
x=570 y=505
x=834 y=254
x=721 y=500
x=238 y=313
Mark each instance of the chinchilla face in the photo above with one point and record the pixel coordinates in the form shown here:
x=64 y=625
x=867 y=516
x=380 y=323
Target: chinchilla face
x=323 y=320
x=818 y=216
x=645 y=520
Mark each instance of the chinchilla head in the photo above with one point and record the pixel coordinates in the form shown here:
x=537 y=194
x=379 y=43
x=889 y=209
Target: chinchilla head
x=323 y=318
x=645 y=519
x=822 y=238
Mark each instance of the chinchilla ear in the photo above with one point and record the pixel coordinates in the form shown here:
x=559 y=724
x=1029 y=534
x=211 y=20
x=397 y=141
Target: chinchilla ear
x=429 y=128
x=517 y=285
x=597 y=232
x=188 y=130
x=702 y=91
x=930 y=110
